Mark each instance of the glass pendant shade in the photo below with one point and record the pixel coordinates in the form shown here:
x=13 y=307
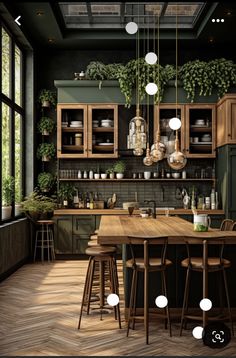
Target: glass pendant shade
x=148 y=161
x=137 y=138
x=177 y=159
x=158 y=149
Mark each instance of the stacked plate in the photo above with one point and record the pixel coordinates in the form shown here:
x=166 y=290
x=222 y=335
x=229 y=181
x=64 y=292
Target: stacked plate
x=95 y=123
x=107 y=123
x=76 y=124
x=64 y=124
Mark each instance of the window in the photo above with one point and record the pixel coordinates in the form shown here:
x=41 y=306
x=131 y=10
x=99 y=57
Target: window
x=11 y=125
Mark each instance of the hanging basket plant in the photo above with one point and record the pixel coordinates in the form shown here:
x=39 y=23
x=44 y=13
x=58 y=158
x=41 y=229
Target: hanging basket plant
x=46 y=151
x=47 y=98
x=46 y=125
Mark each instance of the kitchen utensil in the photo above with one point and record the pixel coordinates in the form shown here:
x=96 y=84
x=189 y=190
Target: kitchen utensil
x=175 y=175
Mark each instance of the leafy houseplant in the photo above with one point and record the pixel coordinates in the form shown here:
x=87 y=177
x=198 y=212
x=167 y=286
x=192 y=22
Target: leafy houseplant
x=119 y=169
x=110 y=172
x=96 y=71
x=18 y=199
x=45 y=181
x=38 y=206
x=46 y=151
x=47 y=97
x=8 y=187
x=46 y=125
x=66 y=193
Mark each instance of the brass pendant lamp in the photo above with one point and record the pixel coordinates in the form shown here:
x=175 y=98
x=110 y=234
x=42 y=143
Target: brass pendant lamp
x=176 y=160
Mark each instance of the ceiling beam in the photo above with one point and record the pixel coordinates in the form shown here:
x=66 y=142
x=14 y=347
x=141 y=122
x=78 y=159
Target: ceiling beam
x=122 y=13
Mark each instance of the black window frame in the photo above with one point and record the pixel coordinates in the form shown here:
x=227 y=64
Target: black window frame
x=14 y=108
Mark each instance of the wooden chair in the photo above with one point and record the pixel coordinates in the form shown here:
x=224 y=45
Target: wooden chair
x=234 y=226
x=146 y=264
x=205 y=265
x=226 y=225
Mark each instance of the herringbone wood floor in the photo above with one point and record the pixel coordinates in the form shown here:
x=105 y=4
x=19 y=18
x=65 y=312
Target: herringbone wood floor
x=39 y=307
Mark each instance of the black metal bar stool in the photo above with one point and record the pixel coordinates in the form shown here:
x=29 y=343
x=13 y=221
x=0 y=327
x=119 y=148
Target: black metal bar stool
x=101 y=257
x=204 y=264
x=44 y=239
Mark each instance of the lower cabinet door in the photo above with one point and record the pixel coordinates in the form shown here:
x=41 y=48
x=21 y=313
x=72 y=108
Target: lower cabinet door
x=80 y=243
x=83 y=225
x=63 y=235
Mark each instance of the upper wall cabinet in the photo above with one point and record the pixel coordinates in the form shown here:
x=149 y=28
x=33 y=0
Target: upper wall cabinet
x=200 y=130
x=226 y=120
x=87 y=131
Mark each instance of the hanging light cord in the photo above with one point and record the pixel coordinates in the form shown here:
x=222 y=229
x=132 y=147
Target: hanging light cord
x=158 y=78
x=176 y=64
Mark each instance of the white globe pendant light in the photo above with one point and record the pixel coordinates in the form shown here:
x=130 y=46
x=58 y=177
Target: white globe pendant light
x=151 y=58
x=131 y=28
x=151 y=88
x=175 y=123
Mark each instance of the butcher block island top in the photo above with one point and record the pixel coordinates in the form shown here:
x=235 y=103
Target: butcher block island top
x=117 y=211
x=116 y=229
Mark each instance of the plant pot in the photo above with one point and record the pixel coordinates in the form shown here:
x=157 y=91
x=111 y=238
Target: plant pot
x=18 y=209
x=119 y=175
x=103 y=175
x=111 y=175
x=96 y=176
x=45 y=132
x=6 y=212
x=45 y=104
x=65 y=203
x=45 y=158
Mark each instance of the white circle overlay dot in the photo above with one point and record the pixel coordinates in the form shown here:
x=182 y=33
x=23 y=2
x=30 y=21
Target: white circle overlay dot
x=151 y=58
x=161 y=301
x=213 y=20
x=197 y=332
x=113 y=299
x=131 y=28
x=174 y=123
x=217 y=20
x=222 y=20
x=205 y=304
x=151 y=88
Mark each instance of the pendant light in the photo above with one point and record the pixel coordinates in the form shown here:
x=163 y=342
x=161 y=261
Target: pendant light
x=148 y=160
x=137 y=137
x=177 y=159
x=158 y=149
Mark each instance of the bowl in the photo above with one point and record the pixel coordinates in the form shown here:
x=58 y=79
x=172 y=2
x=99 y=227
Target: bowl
x=175 y=175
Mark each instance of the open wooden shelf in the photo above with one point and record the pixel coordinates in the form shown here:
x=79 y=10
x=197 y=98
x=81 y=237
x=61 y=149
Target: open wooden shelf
x=141 y=180
x=201 y=129
x=73 y=148
x=103 y=130
x=72 y=130
x=103 y=148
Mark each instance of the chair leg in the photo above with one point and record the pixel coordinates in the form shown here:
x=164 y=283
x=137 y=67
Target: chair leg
x=135 y=298
x=228 y=301
x=36 y=243
x=221 y=293
x=167 y=307
x=84 y=292
x=184 y=301
x=130 y=312
x=187 y=299
x=52 y=245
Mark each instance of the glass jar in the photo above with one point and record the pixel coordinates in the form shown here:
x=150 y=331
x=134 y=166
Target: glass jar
x=78 y=139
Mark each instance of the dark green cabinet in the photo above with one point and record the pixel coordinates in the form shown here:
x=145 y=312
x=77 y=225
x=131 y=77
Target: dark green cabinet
x=226 y=175
x=63 y=234
x=83 y=227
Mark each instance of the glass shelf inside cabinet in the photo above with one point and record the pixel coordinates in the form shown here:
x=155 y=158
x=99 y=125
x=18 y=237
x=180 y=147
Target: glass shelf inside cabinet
x=72 y=130
x=167 y=134
x=102 y=130
x=200 y=131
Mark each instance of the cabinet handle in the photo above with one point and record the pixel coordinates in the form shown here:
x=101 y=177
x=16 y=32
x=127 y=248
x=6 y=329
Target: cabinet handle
x=229 y=135
x=187 y=150
x=90 y=150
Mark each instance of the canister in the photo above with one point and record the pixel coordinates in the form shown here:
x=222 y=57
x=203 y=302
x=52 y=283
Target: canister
x=78 y=139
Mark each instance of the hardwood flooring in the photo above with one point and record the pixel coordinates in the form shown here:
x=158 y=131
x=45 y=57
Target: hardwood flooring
x=39 y=309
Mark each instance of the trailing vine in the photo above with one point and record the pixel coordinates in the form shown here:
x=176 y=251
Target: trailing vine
x=198 y=77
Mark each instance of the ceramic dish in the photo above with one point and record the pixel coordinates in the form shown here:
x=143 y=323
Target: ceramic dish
x=105 y=143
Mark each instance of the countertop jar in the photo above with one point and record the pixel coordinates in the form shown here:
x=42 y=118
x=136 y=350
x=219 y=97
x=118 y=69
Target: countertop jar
x=78 y=139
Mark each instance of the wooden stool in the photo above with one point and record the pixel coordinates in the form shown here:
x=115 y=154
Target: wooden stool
x=204 y=265
x=44 y=239
x=226 y=224
x=93 y=237
x=146 y=264
x=101 y=256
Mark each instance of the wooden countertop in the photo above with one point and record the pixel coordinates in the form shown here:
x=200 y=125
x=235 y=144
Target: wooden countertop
x=116 y=229
x=179 y=211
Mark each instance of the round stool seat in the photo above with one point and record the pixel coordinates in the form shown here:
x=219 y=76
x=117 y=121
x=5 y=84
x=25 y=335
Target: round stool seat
x=93 y=237
x=45 y=222
x=100 y=250
x=96 y=232
x=93 y=243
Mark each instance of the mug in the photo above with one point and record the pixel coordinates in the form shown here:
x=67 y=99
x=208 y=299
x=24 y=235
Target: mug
x=201 y=222
x=147 y=175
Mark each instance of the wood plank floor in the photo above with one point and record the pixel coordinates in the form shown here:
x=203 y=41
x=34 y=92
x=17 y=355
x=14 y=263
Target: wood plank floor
x=39 y=307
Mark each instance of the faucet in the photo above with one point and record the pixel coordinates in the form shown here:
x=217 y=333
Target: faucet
x=154 y=215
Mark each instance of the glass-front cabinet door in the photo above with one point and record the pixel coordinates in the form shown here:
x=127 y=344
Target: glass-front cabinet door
x=103 y=131
x=162 y=114
x=72 y=131
x=200 y=130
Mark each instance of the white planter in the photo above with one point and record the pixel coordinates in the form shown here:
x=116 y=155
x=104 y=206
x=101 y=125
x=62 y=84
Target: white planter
x=45 y=158
x=103 y=175
x=119 y=175
x=18 y=209
x=65 y=203
x=111 y=175
x=96 y=176
x=45 y=132
x=6 y=212
x=45 y=104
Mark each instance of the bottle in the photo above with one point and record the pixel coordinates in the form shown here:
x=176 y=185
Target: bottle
x=91 y=204
x=90 y=174
x=163 y=173
x=184 y=175
x=85 y=175
x=79 y=174
x=193 y=201
x=213 y=199
x=87 y=202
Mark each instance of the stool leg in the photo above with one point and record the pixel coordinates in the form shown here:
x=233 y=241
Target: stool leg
x=187 y=299
x=167 y=307
x=228 y=301
x=42 y=244
x=184 y=302
x=130 y=312
x=114 y=280
x=84 y=292
x=163 y=292
x=52 y=245
x=36 y=243
x=48 y=242
x=90 y=285
x=135 y=298
x=101 y=285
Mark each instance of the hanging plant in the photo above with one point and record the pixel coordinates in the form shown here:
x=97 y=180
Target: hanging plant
x=96 y=71
x=114 y=71
x=223 y=75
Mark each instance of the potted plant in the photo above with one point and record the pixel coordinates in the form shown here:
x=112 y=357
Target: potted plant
x=110 y=172
x=66 y=193
x=46 y=151
x=119 y=168
x=47 y=97
x=38 y=206
x=46 y=125
x=97 y=173
x=8 y=186
x=45 y=181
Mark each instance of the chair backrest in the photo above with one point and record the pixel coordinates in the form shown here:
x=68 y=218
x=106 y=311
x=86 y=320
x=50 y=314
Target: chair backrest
x=226 y=225
x=147 y=242
x=204 y=242
x=233 y=228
